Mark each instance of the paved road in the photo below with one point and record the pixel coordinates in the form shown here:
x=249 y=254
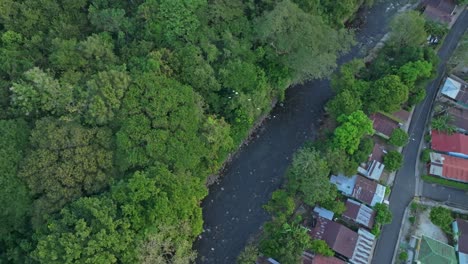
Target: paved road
x=450 y=196
x=404 y=185
x=233 y=209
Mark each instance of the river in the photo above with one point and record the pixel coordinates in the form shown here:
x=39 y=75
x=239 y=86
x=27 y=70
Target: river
x=233 y=210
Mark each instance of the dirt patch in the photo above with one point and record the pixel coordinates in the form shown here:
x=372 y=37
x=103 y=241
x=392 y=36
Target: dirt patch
x=424 y=226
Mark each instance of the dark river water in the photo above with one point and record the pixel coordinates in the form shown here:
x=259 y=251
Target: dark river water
x=233 y=209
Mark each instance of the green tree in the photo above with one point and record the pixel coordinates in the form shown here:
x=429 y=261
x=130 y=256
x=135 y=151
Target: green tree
x=336 y=206
x=353 y=127
x=393 y=160
x=39 y=93
x=284 y=242
x=308 y=176
x=403 y=256
x=407 y=29
x=15 y=199
x=339 y=161
x=281 y=205
x=383 y=214
x=66 y=161
x=320 y=247
x=412 y=71
x=387 y=94
x=398 y=137
x=442 y=217
x=344 y=103
x=443 y=124
x=249 y=255
x=286 y=28
x=365 y=149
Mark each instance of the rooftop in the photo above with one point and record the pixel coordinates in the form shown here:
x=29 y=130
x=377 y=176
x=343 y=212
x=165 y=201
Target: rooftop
x=457 y=143
x=435 y=252
x=460 y=117
x=368 y=191
x=338 y=237
x=344 y=184
x=462 y=231
x=402 y=115
x=449 y=167
x=456 y=89
x=377 y=153
x=383 y=124
x=319 y=259
x=327 y=214
x=359 y=213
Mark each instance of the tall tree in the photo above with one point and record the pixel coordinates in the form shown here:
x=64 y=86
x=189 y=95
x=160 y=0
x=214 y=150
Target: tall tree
x=308 y=176
x=349 y=134
x=66 y=161
x=407 y=29
x=388 y=94
x=305 y=44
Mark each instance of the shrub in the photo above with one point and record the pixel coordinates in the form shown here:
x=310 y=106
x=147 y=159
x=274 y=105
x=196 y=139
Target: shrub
x=398 y=138
x=403 y=256
x=441 y=217
x=393 y=160
x=426 y=155
x=248 y=255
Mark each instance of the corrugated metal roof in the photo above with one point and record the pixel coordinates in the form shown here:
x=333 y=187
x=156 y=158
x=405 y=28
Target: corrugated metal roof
x=327 y=214
x=359 y=213
x=435 y=252
x=344 y=184
x=449 y=143
x=451 y=88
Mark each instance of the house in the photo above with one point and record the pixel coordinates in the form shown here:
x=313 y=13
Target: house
x=452 y=168
x=322 y=212
x=460 y=231
x=459 y=118
x=377 y=153
x=432 y=251
x=344 y=184
x=363 y=189
x=310 y=258
x=359 y=213
x=454 y=145
x=368 y=191
x=266 y=260
x=383 y=125
x=373 y=170
x=455 y=91
x=356 y=247
x=439 y=10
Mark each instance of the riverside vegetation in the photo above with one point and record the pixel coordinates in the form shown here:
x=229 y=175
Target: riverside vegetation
x=113 y=113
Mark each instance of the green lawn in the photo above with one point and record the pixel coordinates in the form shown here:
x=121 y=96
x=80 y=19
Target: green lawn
x=445 y=182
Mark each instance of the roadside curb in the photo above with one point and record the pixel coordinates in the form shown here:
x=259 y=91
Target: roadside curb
x=405 y=216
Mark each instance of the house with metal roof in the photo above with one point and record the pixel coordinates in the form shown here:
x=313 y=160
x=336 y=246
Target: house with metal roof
x=383 y=125
x=432 y=251
x=344 y=184
x=368 y=191
x=455 y=91
x=356 y=247
x=439 y=10
x=460 y=233
x=459 y=119
x=452 y=168
x=359 y=213
x=453 y=145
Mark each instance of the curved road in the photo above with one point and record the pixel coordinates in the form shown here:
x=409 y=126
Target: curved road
x=233 y=209
x=404 y=186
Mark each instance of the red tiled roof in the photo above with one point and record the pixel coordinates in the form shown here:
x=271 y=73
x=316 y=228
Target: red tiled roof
x=383 y=124
x=460 y=117
x=364 y=189
x=455 y=168
x=319 y=259
x=463 y=236
x=449 y=143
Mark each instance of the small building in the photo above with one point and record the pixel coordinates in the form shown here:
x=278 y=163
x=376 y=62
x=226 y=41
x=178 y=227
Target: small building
x=383 y=125
x=368 y=191
x=455 y=91
x=344 y=184
x=459 y=119
x=439 y=10
x=432 y=251
x=359 y=213
x=460 y=233
x=454 y=145
x=377 y=153
x=356 y=247
x=322 y=212
x=373 y=170
x=452 y=168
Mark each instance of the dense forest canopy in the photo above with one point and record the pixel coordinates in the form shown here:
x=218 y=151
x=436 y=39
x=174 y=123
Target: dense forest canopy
x=113 y=113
